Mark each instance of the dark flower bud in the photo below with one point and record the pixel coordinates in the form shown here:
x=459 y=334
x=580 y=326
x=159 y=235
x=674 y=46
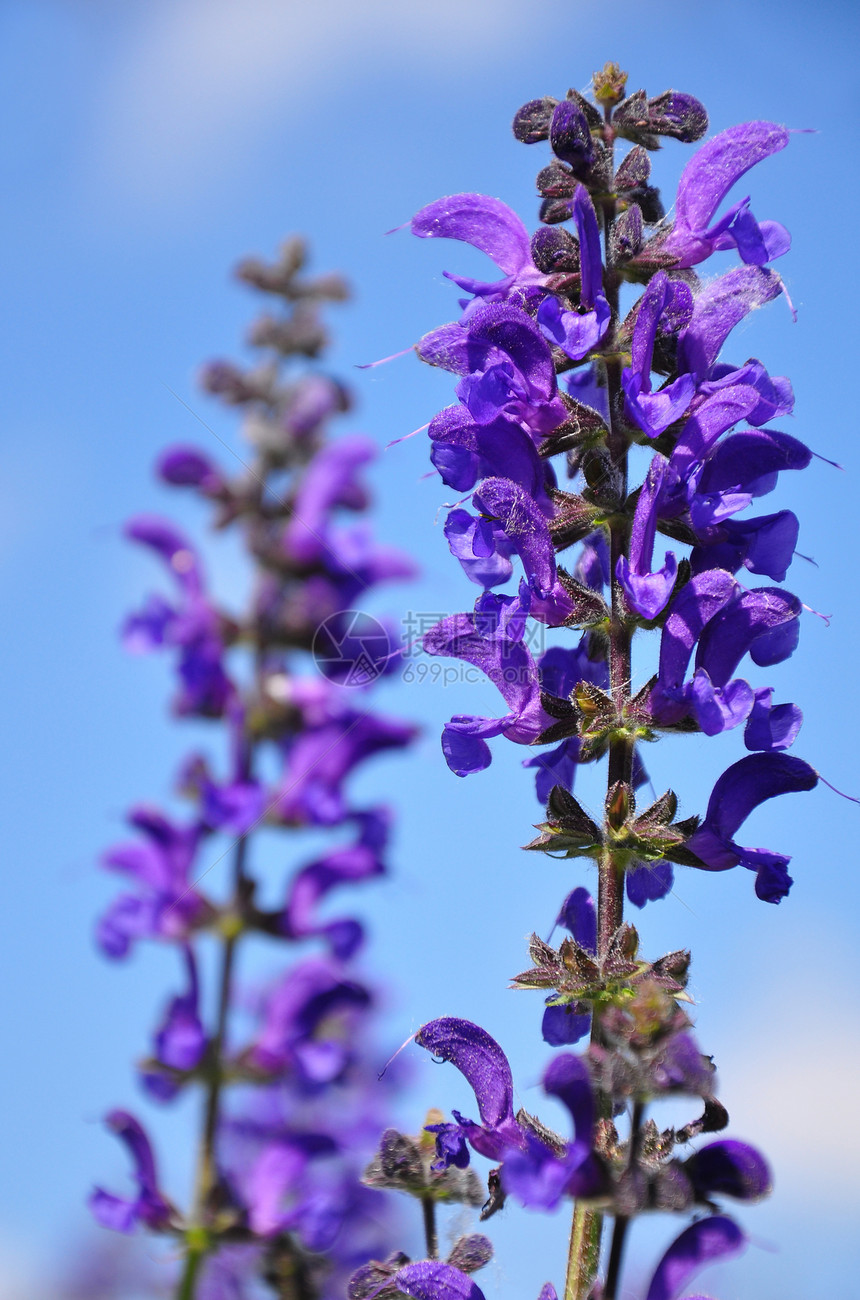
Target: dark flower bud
x=372 y=1277
x=631 y=119
x=552 y=211
x=650 y=203
x=471 y=1253
x=730 y=1169
x=678 y=115
x=555 y=250
x=609 y=84
x=626 y=238
x=569 y=134
x=635 y=169
x=590 y=113
x=531 y=122
x=556 y=181
x=620 y=804
x=713 y=1119
x=630 y=1193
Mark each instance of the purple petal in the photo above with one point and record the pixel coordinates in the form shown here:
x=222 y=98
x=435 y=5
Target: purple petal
x=485 y=223
x=717 y=309
x=700 y=1244
x=479 y=1059
x=433 y=1280
x=729 y=1168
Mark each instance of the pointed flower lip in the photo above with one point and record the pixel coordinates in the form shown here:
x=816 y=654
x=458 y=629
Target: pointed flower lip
x=648 y=592
x=574 y=332
x=717 y=309
x=654 y=412
x=489 y=225
x=149 y=1207
x=481 y=1061
x=709 y=175
x=741 y=788
x=729 y=1168
x=704 y=1242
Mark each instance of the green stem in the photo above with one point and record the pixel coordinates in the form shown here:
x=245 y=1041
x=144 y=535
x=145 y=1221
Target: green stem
x=584 y=1253
x=187 y=1282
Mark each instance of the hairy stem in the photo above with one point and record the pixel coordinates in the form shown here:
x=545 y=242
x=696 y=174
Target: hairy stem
x=584 y=1253
x=431 y=1237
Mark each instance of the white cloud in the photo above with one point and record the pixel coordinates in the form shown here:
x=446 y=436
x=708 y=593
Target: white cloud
x=196 y=76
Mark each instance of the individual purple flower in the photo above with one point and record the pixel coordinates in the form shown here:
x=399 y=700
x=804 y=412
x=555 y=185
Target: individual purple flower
x=319 y=761
x=539 y=1176
x=739 y=790
x=485 y=1067
x=192 y=625
x=180 y=1040
x=667 y=303
x=648 y=593
x=704 y=183
x=729 y=1168
x=491 y=226
x=166 y=904
x=305 y=1019
x=563 y=1025
x=481 y=546
x=149 y=1208
x=509 y=665
x=349 y=864
x=189 y=467
x=330 y=481
x=717 y=309
x=430 y=1280
x=577 y=333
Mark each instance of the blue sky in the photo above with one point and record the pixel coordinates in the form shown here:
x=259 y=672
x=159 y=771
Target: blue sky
x=148 y=146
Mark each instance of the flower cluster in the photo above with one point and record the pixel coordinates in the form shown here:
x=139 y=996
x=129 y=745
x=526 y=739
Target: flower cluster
x=288 y=1073
x=601 y=335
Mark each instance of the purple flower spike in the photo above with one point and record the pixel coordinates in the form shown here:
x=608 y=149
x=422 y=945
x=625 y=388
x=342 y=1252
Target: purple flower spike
x=484 y=1065
x=702 y=1243
x=739 y=790
x=705 y=181
x=149 y=1207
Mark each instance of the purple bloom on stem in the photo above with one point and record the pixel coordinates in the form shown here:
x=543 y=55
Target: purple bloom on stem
x=491 y=226
x=328 y=482
x=717 y=309
x=350 y=864
x=481 y=546
x=509 y=665
x=149 y=1207
x=702 y=1243
x=654 y=412
x=729 y=1168
x=168 y=904
x=536 y=1174
x=304 y=1021
x=180 y=1041
x=648 y=593
x=193 y=626
x=704 y=183
x=189 y=467
x=739 y=790
x=431 y=1280
x=574 y=332
x=484 y=1065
